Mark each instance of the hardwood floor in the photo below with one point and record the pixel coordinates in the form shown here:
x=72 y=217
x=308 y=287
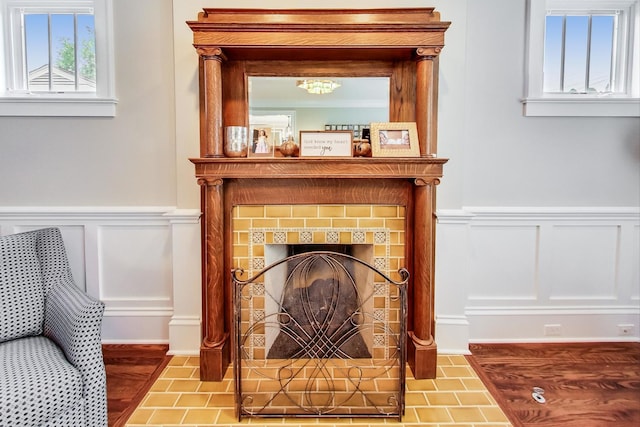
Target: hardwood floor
x=585 y=384
x=131 y=370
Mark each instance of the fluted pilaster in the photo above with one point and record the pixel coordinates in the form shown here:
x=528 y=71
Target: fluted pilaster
x=211 y=102
x=427 y=100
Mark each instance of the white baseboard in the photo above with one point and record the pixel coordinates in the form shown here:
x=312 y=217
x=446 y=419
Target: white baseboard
x=452 y=334
x=569 y=324
x=135 y=326
x=184 y=336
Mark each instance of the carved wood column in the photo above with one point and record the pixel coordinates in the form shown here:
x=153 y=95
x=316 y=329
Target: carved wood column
x=422 y=348
x=214 y=350
x=211 y=139
x=427 y=100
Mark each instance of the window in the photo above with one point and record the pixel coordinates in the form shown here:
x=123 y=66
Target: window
x=583 y=58
x=579 y=54
x=59 y=53
x=56 y=58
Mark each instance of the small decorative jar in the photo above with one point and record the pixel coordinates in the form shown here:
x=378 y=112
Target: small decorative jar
x=363 y=148
x=235 y=142
x=289 y=148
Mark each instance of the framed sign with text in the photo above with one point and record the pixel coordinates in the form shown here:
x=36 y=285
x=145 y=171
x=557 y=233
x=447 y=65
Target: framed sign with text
x=326 y=143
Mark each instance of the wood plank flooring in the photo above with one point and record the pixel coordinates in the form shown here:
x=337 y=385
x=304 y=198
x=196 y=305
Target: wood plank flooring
x=131 y=370
x=585 y=384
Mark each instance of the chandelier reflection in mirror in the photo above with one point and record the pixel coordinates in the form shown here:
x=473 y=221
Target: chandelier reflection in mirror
x=318 y=87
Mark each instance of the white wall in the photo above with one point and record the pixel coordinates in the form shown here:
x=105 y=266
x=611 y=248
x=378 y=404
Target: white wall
x=126 y=160
x=538 y=216
x=512 y=160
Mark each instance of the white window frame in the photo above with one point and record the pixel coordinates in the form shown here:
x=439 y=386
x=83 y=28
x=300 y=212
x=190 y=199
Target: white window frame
x=538 y=103
x=102 y=103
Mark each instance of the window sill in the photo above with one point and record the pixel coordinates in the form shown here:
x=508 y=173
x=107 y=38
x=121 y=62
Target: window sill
x=68 y=107
x=594 y=107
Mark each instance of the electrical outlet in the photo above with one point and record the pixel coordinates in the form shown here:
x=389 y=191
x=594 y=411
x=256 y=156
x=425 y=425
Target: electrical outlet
x=553 y=330
x=625 y=329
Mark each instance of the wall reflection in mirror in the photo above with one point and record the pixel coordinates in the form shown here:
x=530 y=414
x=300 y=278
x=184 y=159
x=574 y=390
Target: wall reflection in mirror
x=287 y=105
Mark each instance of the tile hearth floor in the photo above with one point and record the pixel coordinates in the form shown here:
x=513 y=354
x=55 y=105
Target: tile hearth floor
x=457 y=397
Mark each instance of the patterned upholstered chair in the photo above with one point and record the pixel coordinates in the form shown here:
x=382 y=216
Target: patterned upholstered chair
x=51 y=367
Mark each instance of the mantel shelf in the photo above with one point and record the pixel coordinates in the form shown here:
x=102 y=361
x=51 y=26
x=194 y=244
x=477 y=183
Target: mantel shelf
x=333 y=168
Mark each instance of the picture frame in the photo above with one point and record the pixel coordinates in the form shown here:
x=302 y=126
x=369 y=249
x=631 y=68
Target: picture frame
x=394 y=139
x=261 y=143
x=335 y=143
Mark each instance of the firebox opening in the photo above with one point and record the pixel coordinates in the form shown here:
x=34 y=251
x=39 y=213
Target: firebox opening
x=321 y=299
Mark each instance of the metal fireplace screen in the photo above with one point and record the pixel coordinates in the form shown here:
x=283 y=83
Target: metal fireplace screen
x=320 y=334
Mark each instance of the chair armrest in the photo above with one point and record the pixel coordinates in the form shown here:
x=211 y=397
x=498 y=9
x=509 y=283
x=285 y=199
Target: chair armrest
x=73 y=320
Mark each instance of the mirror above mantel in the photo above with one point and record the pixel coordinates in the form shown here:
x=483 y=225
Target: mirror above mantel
x=283 y=93
x=281 y=104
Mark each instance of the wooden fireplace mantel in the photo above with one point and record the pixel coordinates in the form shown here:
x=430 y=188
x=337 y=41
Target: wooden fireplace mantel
x=287 y=167
x=233 y=44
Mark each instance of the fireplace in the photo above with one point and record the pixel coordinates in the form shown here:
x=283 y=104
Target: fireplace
x=401 y=44
x=244 y=221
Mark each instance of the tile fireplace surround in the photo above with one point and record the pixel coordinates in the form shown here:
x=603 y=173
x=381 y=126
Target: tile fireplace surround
x=251 y=203
x=256 y=227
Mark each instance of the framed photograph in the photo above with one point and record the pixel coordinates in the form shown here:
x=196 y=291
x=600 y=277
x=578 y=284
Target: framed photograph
x=261 y=142
x=399 y=139
x=326 y=144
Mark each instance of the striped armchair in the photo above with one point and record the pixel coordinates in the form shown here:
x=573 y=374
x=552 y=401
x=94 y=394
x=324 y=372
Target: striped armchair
x=51 y=367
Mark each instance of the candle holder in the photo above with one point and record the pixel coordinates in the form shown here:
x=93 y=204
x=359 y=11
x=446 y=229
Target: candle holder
x=235 y=142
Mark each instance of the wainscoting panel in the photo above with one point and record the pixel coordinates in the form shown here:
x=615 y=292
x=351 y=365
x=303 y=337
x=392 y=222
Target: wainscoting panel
x=127 y=257
x=502 y=274
x=537 y=274
x=504 y=262
x=583 y=262
x=134 y=261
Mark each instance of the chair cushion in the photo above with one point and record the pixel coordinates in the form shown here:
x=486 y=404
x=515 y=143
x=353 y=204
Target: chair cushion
x=21 y=289
x=38 y=384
